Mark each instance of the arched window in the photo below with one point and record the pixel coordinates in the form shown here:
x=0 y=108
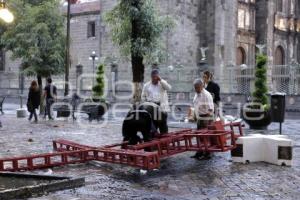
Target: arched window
x=240 y=56
x=279 y=56
x=242 y=80
x=280 y=72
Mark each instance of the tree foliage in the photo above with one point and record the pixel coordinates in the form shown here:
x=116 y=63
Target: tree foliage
x=150 y=24
x=98 y=89
x=261 y=89
x=37 y=36
x=137 y=29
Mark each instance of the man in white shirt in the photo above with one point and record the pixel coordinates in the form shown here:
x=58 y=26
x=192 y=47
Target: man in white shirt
x=155 y=91
x=203 y=105
x=204 y=110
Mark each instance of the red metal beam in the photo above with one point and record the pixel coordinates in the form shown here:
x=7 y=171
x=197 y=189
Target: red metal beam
x=144 y=160
x=146 y=155
x=48 y=160
x=65 y=145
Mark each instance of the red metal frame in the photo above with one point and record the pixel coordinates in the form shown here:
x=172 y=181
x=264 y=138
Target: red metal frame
x=45 y=160
x=146 y=155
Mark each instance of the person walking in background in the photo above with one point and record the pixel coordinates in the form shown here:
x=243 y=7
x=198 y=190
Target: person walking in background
x=50 y=93
x=155 y=91
x=213 y=88
x=33 y=102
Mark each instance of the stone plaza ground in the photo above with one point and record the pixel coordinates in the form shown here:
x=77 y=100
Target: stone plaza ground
x=179 y=177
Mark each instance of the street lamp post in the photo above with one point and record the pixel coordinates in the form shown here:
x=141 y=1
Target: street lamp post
x=67 y=51
x=93 y=57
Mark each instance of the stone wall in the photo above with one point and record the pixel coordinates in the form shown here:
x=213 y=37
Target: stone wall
x=225 y=31
x=181 y=43
x=82 y=47
x=246 y=36
x=273 y=33
x=199 y=24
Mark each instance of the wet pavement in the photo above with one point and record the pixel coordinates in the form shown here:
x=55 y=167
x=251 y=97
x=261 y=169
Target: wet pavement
x=179 y=177
x=13 y=182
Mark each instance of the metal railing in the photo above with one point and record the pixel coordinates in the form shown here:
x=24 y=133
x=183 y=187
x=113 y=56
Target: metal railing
x=281 y=78
x=286 y=79
x=232 y=80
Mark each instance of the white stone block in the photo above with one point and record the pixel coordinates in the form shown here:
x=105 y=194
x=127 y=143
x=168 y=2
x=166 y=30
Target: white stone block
x=274 y=149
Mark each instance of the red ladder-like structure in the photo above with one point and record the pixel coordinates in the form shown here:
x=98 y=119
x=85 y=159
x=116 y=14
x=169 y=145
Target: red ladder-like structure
x=145 y=155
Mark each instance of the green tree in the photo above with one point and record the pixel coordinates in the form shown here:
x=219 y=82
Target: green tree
x=137 y=28
x=261 y=89
x=98 y=89
x=36 y=37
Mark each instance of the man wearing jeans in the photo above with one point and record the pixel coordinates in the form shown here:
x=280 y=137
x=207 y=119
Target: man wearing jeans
x=50 y=93
x=204 y=110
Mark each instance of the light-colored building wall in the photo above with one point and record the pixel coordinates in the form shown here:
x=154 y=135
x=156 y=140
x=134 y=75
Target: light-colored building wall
x=82 y=46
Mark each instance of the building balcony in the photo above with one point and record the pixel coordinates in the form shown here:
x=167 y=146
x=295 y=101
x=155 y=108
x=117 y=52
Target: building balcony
x=287 y=23
x=251 y=2
x=281 y=23
x=246 y=32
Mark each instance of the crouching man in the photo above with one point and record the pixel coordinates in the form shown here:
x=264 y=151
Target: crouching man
x=155 y=91
x=204 y=111
x=138 y=120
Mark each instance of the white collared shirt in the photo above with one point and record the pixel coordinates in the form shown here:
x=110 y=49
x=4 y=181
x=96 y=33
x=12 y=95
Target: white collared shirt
x=203 y=103
x=157 y=93
x=153 y=92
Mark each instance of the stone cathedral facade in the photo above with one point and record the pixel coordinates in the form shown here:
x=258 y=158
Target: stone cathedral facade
x=209 y=34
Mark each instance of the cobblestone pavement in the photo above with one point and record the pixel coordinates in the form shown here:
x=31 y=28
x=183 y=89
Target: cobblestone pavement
x=180 y=177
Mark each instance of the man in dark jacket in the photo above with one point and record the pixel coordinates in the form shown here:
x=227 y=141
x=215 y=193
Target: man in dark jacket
x=50 y=92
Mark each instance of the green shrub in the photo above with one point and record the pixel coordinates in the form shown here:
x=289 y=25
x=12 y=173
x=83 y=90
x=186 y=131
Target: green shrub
x=261 y=89
x=98 y=89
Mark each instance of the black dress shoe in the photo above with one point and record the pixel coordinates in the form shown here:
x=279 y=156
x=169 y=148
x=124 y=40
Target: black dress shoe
x=198 y=155
x=207 y=156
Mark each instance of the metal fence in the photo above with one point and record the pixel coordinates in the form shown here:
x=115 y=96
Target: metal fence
x=281 y=78
x=286 y=79
x=232 y=80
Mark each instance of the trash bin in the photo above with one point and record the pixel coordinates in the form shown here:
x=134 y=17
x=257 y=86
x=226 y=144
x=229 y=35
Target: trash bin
x=278 y=107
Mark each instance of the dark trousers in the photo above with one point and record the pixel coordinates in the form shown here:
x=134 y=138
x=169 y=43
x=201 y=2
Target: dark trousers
x=161 y=120
x=202 y=123
x=33 y=113
x=162 y=124
x=49 y=103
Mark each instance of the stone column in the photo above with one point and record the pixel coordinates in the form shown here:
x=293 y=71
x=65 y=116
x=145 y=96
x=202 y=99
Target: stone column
x=271 y=10
x=225 y=37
